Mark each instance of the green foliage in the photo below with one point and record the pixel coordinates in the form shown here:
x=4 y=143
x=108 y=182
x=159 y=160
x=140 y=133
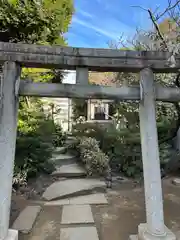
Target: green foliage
x=165 y=154
x=42 y=75
x=94 y=130
x=34 y=144
x=32 y=154
x=41 y=22
x=58 y=136
x=127 y=112
x=37 y=136
x=122 y=146
x=96 y=162
x=125 y=154
x=31 y=21
x=79 y=107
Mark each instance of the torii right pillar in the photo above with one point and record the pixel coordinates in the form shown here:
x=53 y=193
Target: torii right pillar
x=154 y=228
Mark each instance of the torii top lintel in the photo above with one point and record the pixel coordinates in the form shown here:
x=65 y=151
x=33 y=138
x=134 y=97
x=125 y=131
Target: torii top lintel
x=101 y=60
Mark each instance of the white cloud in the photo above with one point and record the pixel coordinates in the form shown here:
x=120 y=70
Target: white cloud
x=99 y=30
x=85 y=14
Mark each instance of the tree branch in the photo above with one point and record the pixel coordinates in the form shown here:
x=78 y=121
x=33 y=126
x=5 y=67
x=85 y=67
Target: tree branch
x=157 y=28
x=153 y=19
x=169 y=8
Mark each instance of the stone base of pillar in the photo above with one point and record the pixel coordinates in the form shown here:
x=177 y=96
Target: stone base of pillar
x=144 y=235
x=12 y=235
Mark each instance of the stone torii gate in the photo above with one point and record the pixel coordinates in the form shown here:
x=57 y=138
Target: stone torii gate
x=15 y=56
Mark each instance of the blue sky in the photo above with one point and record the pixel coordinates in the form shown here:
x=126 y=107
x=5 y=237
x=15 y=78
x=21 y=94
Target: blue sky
x=97 y=22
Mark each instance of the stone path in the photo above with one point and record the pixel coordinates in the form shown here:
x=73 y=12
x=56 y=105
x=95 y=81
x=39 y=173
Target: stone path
x=77 y=214
x=81 y=233
x=26 y=219
x=176 y=181
x=116 y=220
x=74 y=195
x=62 y=159
x=69 y=170
x=97 y=198
x=72 y=187
x=60 y=150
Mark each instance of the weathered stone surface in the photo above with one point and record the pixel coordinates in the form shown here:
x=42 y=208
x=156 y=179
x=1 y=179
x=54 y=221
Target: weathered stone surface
x=79 y=233
x=77 y=214
x=70 y=140
x=120 y=179
x=59 y=157
x=26 y=219
x=58 y=202
x=97 y=198
x=8 y=124
x=12 y=235
x=149 y=146
x=70 y=170
x=101 y=92
x=60 y=150
x=102 y=60
x=176 y=181
x=72 y=187
x=142 y=234
x=133 y=237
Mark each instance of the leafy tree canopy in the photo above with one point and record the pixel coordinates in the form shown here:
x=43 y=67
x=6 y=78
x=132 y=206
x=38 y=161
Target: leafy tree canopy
x=36 y=21
x=30 y=21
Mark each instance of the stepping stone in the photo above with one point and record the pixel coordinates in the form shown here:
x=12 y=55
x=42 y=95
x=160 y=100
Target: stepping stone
x=26 y=219
x=12 y=235
x=63 y=159
x=176 y=181
x=58 y=202
x=72 y=187
x=143 y=226
x=133 y=237
x=70 y=140
x=60 y=150
x=97 y=198
x=79 y=233
x=76 y=214
x=70 y=170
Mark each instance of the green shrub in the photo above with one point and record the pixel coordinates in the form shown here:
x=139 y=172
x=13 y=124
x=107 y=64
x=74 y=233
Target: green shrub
x=58 y=136
x=19 y=177
x=94 y=130
x=79 y=108
x=32 y=157
x=34 y=143
x=96 y=162
x=126 y=152
x=123 y=146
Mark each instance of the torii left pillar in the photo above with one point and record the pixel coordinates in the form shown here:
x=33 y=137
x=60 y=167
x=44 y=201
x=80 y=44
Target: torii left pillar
x=8 y=126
